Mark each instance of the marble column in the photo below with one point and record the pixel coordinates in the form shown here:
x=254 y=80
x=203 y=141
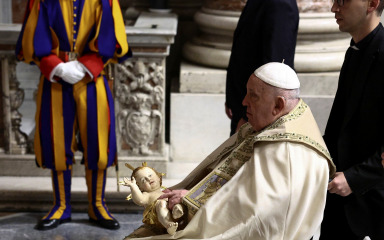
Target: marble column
x=320 y=45
x=217 y=21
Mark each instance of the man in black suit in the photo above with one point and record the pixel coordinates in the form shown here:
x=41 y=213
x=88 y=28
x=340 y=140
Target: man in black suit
x=355 y=132
x=266 y=32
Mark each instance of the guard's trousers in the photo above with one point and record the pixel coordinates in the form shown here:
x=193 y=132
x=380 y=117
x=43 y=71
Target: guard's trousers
x=61 y=183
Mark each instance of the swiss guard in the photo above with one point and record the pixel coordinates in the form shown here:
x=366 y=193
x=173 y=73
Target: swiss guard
x=72 y=42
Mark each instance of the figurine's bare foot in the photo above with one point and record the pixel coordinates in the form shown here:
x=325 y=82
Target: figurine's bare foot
x=172 y=228
x=177 y=211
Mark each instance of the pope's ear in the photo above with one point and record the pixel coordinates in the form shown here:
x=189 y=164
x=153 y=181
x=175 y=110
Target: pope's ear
x=280 y=104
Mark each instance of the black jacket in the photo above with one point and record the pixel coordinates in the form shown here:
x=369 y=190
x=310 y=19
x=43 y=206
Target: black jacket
x=355 y=137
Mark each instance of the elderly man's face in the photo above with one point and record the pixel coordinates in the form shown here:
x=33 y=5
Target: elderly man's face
x=260 y=103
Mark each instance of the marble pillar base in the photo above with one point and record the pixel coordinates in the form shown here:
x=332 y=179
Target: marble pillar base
x=320 y=45
x=206 y=56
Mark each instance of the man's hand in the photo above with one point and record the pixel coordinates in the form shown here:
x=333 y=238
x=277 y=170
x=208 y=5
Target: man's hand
x=339 y=185
x=71 y=72
x=174 y=196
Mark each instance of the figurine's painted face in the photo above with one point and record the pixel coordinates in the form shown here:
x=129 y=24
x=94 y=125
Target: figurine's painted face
x=147 y=180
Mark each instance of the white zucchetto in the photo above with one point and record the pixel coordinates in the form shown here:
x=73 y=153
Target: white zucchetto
x=279 y=75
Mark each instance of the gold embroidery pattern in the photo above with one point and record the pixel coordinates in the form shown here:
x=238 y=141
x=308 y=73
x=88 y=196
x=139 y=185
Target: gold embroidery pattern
x=238 y=157
x=294 y=114
x=239 y=140
x=191 y=210
x=293 y=137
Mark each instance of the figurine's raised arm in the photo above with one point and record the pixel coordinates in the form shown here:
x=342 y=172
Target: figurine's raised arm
x=138 y=196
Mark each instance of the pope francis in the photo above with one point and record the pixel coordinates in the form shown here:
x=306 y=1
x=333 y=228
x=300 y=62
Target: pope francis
x=266 y=182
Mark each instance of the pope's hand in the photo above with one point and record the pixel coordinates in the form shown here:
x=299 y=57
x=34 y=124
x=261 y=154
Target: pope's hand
x=339 y=185
x=174 y=196
x=71 y=72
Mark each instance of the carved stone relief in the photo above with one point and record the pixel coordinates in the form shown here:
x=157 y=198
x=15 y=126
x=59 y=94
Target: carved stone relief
x=13 y=97
x=139 y=99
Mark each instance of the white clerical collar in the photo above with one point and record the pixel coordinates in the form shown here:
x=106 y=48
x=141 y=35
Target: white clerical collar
x=354 y=47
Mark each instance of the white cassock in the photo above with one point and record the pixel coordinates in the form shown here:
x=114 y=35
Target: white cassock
x=270 y=185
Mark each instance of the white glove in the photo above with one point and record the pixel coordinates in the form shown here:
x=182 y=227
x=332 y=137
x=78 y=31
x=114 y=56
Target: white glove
x=71 y=72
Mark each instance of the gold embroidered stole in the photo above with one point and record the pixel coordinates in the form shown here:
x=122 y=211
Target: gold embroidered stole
x=297 y=126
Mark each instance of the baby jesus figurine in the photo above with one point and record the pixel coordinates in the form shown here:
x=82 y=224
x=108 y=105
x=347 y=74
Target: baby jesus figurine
x=146 y=188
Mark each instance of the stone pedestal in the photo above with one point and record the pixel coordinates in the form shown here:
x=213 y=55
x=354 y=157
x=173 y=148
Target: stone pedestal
x=139 y=88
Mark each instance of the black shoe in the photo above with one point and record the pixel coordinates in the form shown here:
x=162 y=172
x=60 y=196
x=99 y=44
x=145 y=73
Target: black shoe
x=111 y=224
x=46 y=224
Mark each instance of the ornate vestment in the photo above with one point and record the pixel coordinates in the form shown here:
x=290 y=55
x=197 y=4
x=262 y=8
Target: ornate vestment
x=269 y=185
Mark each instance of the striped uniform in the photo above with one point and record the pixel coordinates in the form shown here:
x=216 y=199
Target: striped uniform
x=93 y=32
